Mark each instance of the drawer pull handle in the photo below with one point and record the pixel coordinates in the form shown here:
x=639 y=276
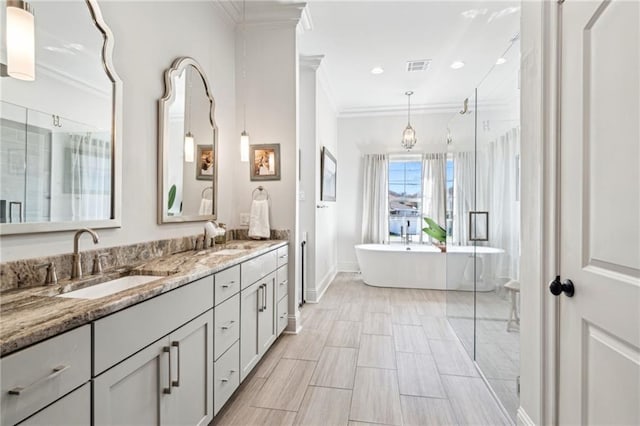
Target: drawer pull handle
x=176 y=382
x=283 y=315
x=228 y=325
x=225 y=285
x=167 y=349
x=56 y=371
x=284 y=256
x=284 y=282
x=226 y=379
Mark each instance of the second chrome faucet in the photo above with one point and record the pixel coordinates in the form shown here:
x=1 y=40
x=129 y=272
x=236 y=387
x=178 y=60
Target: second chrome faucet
x=76 y=267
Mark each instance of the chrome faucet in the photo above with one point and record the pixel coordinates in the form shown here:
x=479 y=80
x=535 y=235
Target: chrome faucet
x=76 y=267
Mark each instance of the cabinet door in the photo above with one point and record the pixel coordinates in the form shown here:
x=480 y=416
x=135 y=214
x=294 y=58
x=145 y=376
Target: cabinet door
x=250 y=300
x=133 y=392
x=73 y=409
x=267 y=313
x=191 y=399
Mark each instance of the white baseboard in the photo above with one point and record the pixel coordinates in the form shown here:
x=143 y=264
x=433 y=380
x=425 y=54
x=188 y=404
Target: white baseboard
x=524 y=419
x=294 y=325
x=348 y=267
x=314 y=295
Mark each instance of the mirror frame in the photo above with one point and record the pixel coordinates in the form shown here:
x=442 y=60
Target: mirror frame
x=180 y=64
x=116 y=150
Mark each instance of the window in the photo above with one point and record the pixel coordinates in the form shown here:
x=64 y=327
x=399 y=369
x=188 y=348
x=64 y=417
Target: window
x=405 y=198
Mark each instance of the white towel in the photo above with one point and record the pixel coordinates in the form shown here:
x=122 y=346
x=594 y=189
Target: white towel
x=259 y=220
x=206 y=206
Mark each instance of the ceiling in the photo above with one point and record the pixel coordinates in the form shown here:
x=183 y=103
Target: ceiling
x=355 y=36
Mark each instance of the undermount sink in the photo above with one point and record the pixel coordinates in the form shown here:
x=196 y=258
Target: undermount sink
x=110 y=287
x=229 y=252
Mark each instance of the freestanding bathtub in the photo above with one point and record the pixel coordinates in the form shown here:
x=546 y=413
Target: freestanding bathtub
x=424 y=266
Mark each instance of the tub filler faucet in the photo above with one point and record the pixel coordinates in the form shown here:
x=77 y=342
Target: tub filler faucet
x=76 y=267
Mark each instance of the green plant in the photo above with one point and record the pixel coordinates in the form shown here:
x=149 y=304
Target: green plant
x=172 y=196
x=434 y=230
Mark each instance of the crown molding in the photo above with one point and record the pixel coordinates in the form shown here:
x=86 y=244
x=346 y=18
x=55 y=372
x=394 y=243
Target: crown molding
x=265 y=13
x=310 y=61
x=449 y=107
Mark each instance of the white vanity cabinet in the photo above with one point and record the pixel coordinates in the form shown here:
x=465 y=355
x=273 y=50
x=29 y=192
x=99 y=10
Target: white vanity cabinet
x=165 y=381
x=35 y=377
x=71 y=410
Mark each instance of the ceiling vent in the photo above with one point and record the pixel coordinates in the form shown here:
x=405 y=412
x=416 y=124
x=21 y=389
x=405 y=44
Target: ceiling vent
x=418 y=65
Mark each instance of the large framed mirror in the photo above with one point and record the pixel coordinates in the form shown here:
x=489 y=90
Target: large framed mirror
x=60 y=129
x=187 y=146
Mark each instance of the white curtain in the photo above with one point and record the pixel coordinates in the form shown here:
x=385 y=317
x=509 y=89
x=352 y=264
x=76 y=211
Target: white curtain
x=504 y=210
x=90 y=177
x=434 y=181
x=375 y=199
x=464 y=195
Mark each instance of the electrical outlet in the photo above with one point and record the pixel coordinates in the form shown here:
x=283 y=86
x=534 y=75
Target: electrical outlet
x=244 y=219
x=301 y=196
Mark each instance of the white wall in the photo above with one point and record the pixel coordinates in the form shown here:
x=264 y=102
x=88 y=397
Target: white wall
x=271 y=118
x=148 y=37
x=374 y=135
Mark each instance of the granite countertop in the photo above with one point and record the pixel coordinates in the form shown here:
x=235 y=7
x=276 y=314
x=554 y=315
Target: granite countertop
x=32 y=314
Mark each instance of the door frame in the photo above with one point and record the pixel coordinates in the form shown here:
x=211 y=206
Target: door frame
x=540 y=123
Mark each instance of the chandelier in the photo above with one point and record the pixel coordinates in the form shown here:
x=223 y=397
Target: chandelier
x=409 y=134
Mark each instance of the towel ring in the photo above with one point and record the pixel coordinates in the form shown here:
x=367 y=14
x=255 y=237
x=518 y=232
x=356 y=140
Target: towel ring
x=210 y=188
x=260 y=191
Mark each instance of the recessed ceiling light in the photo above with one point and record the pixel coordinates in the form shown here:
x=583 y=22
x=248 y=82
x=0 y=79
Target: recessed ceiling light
x=457 y=65
x=377 y=70
x=501 y=61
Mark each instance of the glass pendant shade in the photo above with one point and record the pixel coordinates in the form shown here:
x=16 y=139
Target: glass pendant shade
x=244 y=147
x=409 y=134
x=21 y=63
x=189 y=147
x=409 y=137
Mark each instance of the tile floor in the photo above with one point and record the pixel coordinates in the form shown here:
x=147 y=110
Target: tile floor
x=366 y=355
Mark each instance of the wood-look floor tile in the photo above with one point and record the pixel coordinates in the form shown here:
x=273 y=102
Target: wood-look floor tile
x=451 y=358
x=418 y=411
x=351 y=312
x=437 y=328
x=306 y=345
x=418 y=376
x=404 y=314
x=336 y=368
x=472 y=402
x=285 y=387
x=377 y=323
x=375 y=397
x=257 y=417
x=345 y=334
x=273 y=355
x=376 y=351
x=365 y=424
x=410 y=338
x=320 y=319
x=324 y=406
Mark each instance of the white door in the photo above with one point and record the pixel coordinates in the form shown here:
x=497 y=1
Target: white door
x=134 y=391
x=599 y=370
x=191 y=399
x=267 y=314
x=250 y=303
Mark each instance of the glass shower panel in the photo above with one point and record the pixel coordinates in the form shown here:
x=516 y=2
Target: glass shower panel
x=460 y=200
x=498 y=193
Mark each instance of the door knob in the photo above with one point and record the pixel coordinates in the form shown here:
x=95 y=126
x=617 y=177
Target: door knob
x=556 y=287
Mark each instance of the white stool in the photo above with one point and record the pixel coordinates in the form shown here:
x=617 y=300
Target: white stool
x=513 y=287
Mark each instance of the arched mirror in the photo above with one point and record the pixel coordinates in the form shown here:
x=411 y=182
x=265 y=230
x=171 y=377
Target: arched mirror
x=188 y=157
x=60 y=118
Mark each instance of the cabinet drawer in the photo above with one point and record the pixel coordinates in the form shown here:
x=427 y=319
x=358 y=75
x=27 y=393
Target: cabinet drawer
x=282 y=314
x=282 y=281
x=72 y=410
x=283 y=255
x=226 y=376
x=227 y=325
x=254 y=269
x=227 y=283
x=43 y=373
x=122 y=334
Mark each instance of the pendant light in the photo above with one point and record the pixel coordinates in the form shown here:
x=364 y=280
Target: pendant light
x=409 y=134
x=189 y=140
x=21 y=62
x=244 y=136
